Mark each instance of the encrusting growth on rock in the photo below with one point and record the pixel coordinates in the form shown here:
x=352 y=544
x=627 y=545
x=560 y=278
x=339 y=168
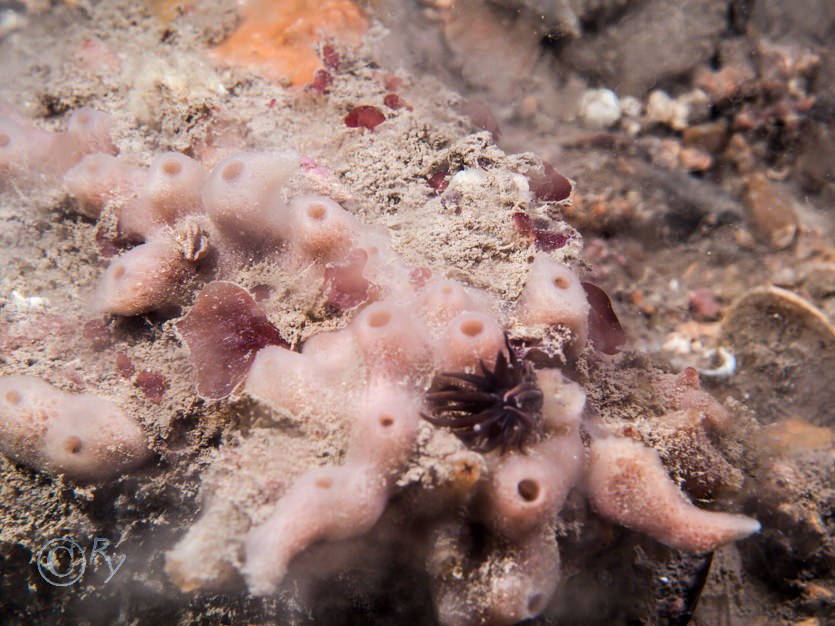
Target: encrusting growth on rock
x=367 y=381
x=279 y=38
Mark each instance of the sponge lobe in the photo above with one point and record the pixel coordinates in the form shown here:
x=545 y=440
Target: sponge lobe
x=101 y=178
x=173 y=186
x=527 y=490
x=627 y=483
x=320 y=229
x=392 y=341
x=142 y=279
x=242 y=195
x=554 y=296
x=468 y=339
x=14 y=146
x=26 y=149
x=337 y=503
x=444 y=299
x=88 y=131
x=83 y=436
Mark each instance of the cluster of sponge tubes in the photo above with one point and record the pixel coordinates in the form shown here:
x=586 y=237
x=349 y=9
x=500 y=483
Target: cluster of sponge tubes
x=373 y=374
x=82 y=436
x=28 y=152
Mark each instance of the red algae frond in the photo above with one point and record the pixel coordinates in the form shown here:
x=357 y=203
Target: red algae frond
x=152 y=384
x=395 y=102
x=439 y=181
x=277 y=38
x=605 y=330
x=224 y=330
x=544 y=239
x=550 y=185
x=365 y=116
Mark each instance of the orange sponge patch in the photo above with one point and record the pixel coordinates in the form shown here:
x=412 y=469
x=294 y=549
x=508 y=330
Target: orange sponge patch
x=278 y=38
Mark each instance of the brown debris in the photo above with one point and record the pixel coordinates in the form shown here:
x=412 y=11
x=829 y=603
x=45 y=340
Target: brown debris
x=771 y=210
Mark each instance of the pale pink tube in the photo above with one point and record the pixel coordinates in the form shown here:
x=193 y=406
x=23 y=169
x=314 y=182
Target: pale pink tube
x=554 y=296
x=468 y=339
x=627 y=483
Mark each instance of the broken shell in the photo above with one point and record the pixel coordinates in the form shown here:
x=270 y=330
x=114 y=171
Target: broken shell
x=785 y=350
x=727 y=367
x=192 y=239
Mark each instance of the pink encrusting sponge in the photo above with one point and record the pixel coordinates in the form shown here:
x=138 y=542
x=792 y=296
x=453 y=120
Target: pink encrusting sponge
x=242 y=197
x=81 y=435
x=26 y=150
x=419 y=381
x=337 y=502
x=553 y=296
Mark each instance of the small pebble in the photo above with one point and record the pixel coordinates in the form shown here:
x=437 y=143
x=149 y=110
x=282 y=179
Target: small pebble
x=599 y=108
x=662 y=109
x=704 y=305
x=695 y=159
x=771 y=210
x=710 y=137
